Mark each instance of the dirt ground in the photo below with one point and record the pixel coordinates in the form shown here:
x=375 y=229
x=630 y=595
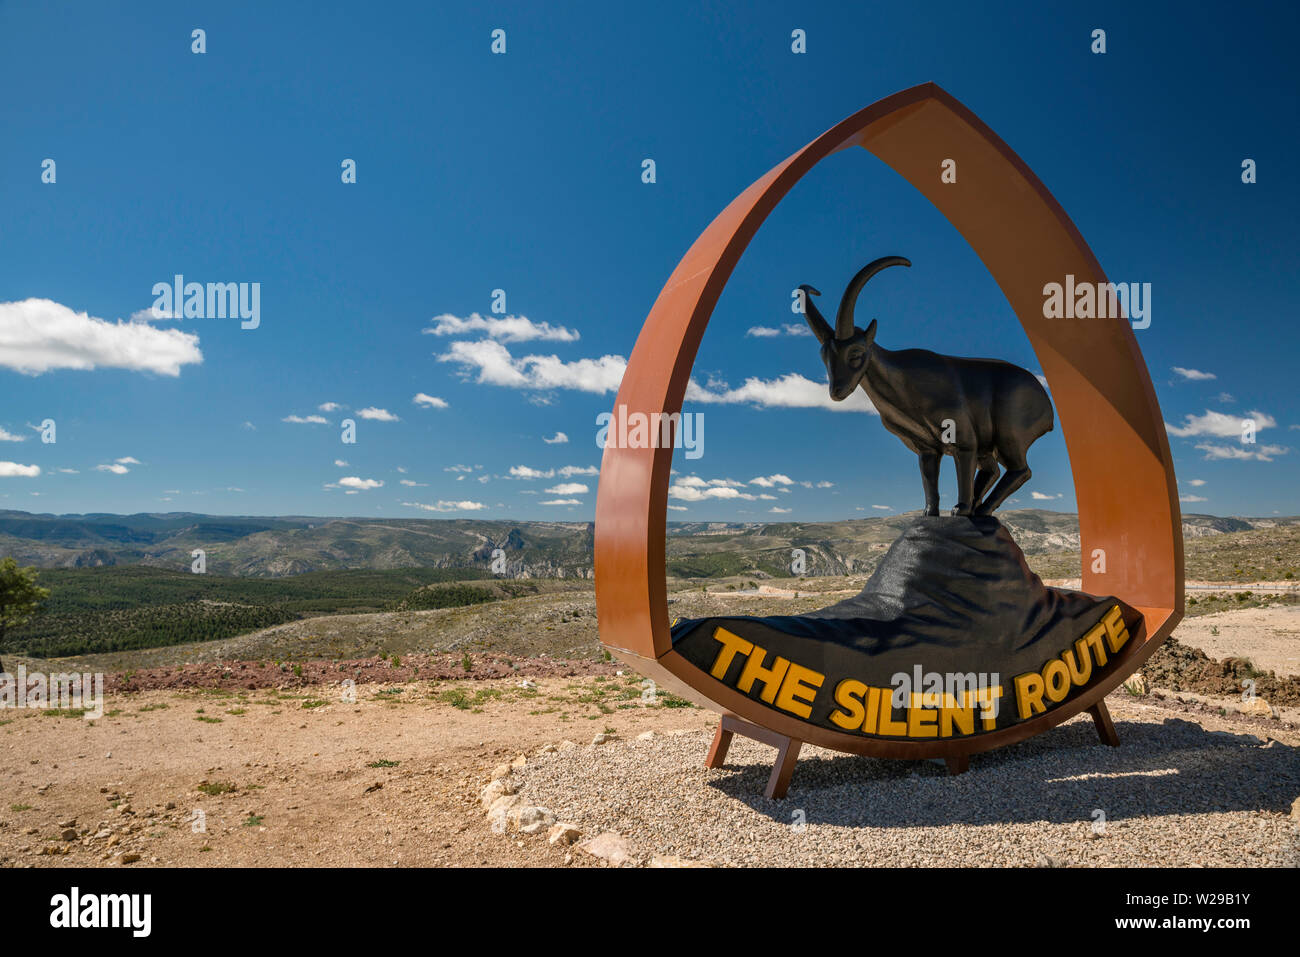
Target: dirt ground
x=1269 y=637
x=299 y=765
x=301 y=776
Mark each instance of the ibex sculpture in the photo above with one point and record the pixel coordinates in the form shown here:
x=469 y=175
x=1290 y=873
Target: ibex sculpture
x=982 y=412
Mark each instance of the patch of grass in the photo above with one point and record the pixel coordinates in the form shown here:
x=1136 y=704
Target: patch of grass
x=237 y=711
x=19 y=808
x=65 y=712
x=214 y=788
x=462 y=700
x=467 y=663
x=206 y=719
x=383 y=763
x=314 y=703
x=154 y=707
x=254 y=820
x=666 y=700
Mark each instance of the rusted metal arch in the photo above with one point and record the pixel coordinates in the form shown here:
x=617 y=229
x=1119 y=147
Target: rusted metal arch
x=1114 y=433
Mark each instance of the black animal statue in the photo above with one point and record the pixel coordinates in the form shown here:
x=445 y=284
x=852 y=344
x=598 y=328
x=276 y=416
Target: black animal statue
x=985 y=413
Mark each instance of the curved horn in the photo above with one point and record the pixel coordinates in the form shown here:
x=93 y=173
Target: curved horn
x=812 y=315
x=844 y=318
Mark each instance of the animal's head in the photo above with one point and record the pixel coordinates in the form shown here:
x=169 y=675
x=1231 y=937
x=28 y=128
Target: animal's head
x=846 y=349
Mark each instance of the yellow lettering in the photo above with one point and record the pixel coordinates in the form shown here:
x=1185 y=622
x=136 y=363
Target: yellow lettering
x=873 y=710
x=1093 y=638
x=799 y=689
x=848 y=695
x=921 y=723
x=1029 y=694
x=1116 y=630
x=1079 y=662
x=886 y=721
x=963 y=717
x=731 y=645
x=771 y=677
x=988 y=698
x=1057 y=677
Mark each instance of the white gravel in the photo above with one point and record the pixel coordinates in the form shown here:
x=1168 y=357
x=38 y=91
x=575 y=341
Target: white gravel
x=1175 y=793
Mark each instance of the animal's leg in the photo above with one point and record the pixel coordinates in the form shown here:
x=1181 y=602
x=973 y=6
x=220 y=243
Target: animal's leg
x=1017 y=474
x=930 y=481
x=965 y=459
x=984 y=479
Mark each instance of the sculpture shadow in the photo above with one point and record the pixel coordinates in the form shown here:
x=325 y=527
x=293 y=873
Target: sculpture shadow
x=1176 y=767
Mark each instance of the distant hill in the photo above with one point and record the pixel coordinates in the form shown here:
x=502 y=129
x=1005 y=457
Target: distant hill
x=275 y=547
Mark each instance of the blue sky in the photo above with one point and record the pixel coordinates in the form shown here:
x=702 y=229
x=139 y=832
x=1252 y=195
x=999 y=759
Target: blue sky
x=522 y=172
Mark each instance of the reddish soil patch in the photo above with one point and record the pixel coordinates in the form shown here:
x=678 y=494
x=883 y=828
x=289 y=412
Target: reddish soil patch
x=251 y=675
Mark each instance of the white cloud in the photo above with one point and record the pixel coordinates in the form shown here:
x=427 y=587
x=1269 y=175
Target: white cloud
x=340 y=463
x=778 y=511
x=568 y=488
x=883 y=508
x=771 y=480
x=688 y=491
x=1219 y=424
x=562 y=501
x=68 y=471
x=1192 y=498
x=6 y=436
x=115 y=468
x=678 y=508
x=329 y=407
x=789 y=329
x=412 y=484
x=790 y=391
x=306 y=419
x=505 y=329
x=379 y=415
x=1195 y=375
x=488 y=362
x=559 y=438
x=14 y=470
x=250 y=426
x=443 y=506
x=1196 y=483
x=128 y=460
x=427 y=401
x=524 y=472
x=496 y=366
x=460 y=468
x=694 y=481
x=38 y=335
x=360 y=484
x=569 y=471
x=1039 y=496
x=1245 y=453
x=153 y=315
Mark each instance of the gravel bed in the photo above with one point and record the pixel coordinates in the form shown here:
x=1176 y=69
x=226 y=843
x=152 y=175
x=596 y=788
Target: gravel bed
x=1175 y=793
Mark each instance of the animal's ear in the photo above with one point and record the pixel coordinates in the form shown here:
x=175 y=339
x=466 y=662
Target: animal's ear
x=871 y=332
x=812 y=315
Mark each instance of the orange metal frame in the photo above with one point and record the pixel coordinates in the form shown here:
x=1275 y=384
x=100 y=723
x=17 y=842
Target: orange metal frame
x=1119 y=452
